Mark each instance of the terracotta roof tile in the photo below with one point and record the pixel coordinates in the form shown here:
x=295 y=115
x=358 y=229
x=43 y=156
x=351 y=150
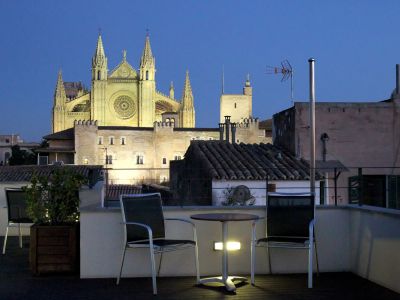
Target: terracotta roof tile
x=115 y=190
x=223 y=160
x=25 y=173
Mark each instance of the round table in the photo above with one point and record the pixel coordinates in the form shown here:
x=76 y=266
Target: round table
x=224 y=218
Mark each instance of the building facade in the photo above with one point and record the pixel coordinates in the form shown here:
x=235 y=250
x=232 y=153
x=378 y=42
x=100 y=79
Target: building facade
x=237 y=106
x=135 y=154
x=122 y=97
x=364 y=137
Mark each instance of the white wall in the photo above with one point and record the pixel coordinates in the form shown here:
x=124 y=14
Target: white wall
x=102 y=236
x=258 y=188
x=375 y=245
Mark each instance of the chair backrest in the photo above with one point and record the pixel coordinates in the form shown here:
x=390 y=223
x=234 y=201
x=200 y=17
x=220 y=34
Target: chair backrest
x=146 y=209
x=289 y=215
x=16 y=206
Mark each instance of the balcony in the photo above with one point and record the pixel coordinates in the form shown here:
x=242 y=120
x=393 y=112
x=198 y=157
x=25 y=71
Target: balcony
x=358 y=249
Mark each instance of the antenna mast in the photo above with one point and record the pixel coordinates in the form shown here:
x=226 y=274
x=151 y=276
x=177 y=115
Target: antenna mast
x=287 y=73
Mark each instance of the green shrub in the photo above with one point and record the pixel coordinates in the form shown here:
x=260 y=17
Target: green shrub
x=54 y=199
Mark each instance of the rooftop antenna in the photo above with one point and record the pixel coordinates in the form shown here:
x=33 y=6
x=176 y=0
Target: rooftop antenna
x=223 y=80
x=287 y=73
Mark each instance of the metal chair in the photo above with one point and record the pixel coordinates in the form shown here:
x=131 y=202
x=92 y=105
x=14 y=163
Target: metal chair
x=143 y=221
x=16 y=210
x=290 y=224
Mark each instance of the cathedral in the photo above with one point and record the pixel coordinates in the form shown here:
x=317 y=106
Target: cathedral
x=122 y=97
x=124 y=124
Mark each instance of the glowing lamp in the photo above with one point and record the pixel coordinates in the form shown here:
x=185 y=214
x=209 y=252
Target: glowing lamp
x=231 y=246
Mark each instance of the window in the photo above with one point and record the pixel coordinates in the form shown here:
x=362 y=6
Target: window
x=100 y=140
x=98 y=75
x=147 y=75
x=235 y=104
x=7 y=141
x=111 y=140
x=85 y=161
x=109 y=159
x=123 y=140
x=139 y=159
x=164 y=161
x=172 y=121
x=178 y=157
x=375 y=190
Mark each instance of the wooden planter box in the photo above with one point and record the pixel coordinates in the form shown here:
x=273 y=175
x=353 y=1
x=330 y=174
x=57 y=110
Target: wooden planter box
x=54 y=249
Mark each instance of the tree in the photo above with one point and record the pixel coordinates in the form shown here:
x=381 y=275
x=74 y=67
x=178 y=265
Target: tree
x=21 y=157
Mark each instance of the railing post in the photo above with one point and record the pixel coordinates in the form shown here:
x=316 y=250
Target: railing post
x=360 y=187
x=335 y=178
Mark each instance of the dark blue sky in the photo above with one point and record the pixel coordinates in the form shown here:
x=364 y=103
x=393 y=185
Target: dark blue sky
x=355 y=43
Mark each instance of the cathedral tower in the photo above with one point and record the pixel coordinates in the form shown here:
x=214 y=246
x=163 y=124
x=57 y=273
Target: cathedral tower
x=186 y=112
x=60 y=99
x=147 y=86
x=99 y=83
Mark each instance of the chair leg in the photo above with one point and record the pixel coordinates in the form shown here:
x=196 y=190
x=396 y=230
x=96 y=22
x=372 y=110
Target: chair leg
x=20 y=235
x=269 y=259
x=122 y=263
x=196 y=254
x=310 y=266
x=5 y=241
x=316 y=256
x=253 y=253
x=159 y=265
x=153 y=269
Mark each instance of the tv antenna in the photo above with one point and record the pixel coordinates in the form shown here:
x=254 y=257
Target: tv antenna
x=287 y=73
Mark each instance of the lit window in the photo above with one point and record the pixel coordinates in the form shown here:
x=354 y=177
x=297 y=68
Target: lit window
x=109 y=159
x=164 y=160
x=85 y=161
x=111 y=140
x=123 y=141
x=100 y=140
x=139 y=159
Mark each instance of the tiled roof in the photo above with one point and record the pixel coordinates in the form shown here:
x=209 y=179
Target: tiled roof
x=67 y=134
x=25 y=173
x=115 y=190
x=223 y=160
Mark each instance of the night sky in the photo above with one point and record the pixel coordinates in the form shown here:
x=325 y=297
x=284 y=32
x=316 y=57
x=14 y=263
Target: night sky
x=355 y=44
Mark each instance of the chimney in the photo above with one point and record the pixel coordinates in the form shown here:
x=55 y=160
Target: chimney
x=227 y=123
x=233 y=128
x=221 y=131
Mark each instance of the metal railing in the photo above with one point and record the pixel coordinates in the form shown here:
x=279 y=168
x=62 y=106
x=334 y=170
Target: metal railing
x=376 y=186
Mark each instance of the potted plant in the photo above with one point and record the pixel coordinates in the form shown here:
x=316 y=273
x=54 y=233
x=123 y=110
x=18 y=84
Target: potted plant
x=53 y=205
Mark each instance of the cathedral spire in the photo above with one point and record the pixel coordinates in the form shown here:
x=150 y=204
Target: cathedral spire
x=171 y=90
x=99 y=55
x=147 y=56
x=187 y=97
x=59 y=93
x=187 y=113
x=99 y=61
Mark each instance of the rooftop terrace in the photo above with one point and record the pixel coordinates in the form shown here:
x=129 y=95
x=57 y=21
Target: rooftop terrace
x=18 y=283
